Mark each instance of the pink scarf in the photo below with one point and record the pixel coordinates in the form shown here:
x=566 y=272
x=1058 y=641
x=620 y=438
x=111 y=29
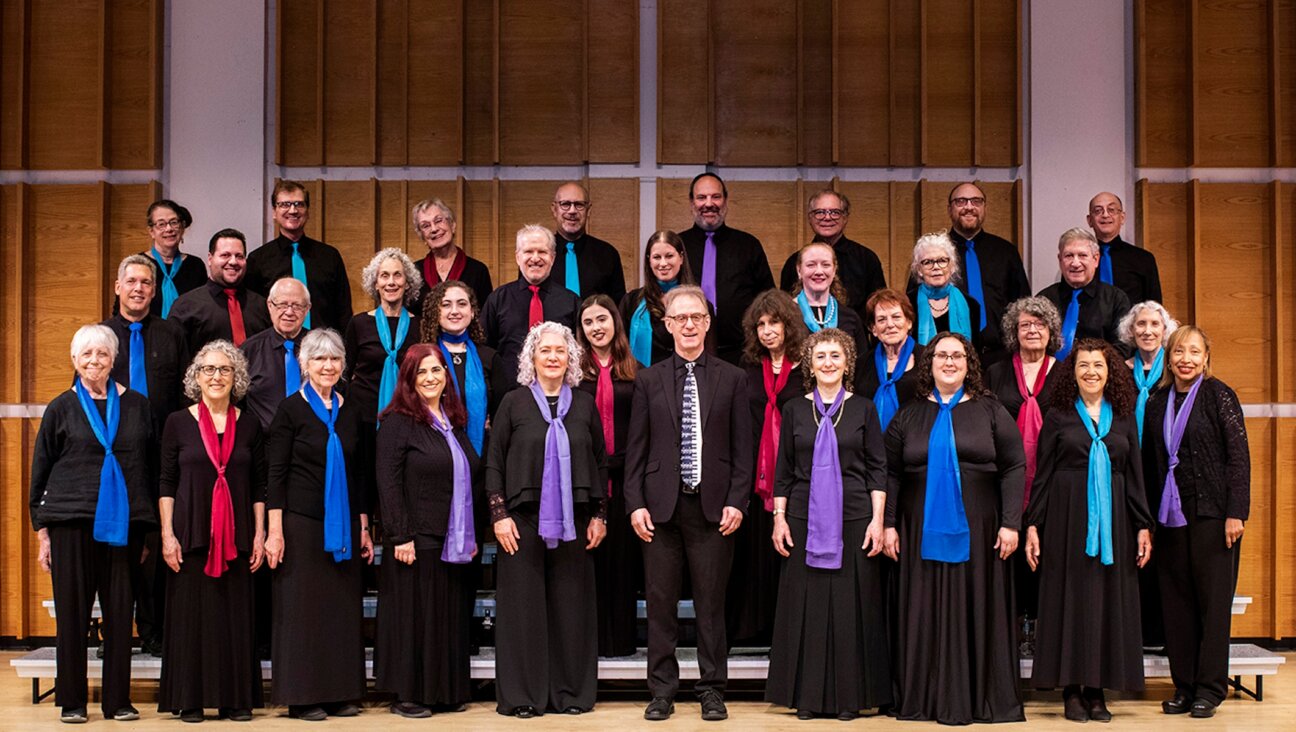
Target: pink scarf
x=770 y=427
x=603 y=400
x=1030 y=418
x=221 y=549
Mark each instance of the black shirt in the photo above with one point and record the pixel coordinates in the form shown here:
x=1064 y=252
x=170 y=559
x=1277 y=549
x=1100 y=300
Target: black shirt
x=1134 y=270
x=267 y=373
x=192 y=275
x=416 y=479
x=1003 y=281
x=326 y=277
x=166 y=356
x=942 y=322
x=297 y=455
x=365 y=357
x=848 y=321
x=858 y=268
x=505 y=318
x=742 y=272
x=1101 y=308
x=622 y=399
x=859 y=450
x=203 y=314
x=599 y=264
x=475 y=274
x=1001 y=380
x=867 y=381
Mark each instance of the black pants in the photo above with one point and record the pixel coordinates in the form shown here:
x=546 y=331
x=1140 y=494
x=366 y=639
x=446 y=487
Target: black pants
x=148 y=582
x=80 y=567
x=546 y=638
x=687 y=537
x=1198 y=576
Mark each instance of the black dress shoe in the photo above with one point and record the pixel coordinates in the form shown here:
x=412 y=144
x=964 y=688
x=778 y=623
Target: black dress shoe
x=127 y=713
x=307 y=713
x=411 y=710
x=805 y=714
x=659 y=709
x=73 y=715
x=848 y=715
x=1073 y=706
x=713 y=706
x=192 y=716
x=573 y=710
x=346 y=709
x=236 y=715
x=1202 y=709
x=1096 y=705
x=524 y=712
x=1178 y=705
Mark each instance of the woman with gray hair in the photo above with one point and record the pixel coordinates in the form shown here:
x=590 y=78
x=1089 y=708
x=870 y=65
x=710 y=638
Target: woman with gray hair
x=1146 y=328
x=546 y=480
x=91 y=480
x=939 y=304
x=376 y=340
x=318 y=534
x=212 y=508
x=434 y=222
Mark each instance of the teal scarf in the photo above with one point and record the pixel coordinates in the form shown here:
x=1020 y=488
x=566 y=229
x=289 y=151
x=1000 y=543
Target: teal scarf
x=1098 y=539
x=959 y=320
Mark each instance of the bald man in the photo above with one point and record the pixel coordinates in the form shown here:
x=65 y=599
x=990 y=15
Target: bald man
x=1124 y=265
x=584 y=264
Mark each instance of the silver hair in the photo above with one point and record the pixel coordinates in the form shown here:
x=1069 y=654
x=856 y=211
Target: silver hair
x=841 y=197
x=88 y=336
x=236 y=358
x=538 y=231
x=317 y=343
x=936 y=240
x=428 y=203
x=526 y=359
x=138 y=260
x=413 y=279
x=278 y=287
x=1039 y=307
x=1125 y=330
x=1077 y=233
x=676 y=293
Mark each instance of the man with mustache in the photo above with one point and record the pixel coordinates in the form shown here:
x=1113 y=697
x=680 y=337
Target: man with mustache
x=224 y=307
x=730 y=265
x=1122 y=264
x=1090 y=308
x=858 y=268
x=586 y=265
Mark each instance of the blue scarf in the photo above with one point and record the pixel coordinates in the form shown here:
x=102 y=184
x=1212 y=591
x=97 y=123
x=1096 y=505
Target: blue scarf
x=387 y=385
x=885 y=398
x=1145 y=384
x=557 y=513
x=807 y=314
x=959 y=321
x=474 y=393
x=1098 y=539
x=641 y=326
x=337 y=502
x=169 y=292
x=112 y=511
x=946 y=537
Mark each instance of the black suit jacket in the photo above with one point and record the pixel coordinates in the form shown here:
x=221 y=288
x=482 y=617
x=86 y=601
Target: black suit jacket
x=653 y=450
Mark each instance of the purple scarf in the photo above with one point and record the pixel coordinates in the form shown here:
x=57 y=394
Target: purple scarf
x=557 y=519
x=460 y=538
x=1171 y=513
x=824 y=527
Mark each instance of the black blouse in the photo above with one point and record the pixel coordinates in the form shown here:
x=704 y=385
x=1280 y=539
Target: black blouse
x=622 y=396
x=942 y=322
x=867 y=382
x=365 y=356
x=1214 y=458
x=859 y=449
x=296 y=455
x=187 y=475
x=416 y=479
x=1003 y=382
x=192 y=275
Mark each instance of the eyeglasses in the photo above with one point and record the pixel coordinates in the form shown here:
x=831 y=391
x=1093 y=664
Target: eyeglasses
x=943 y=356
x=572 y=205
x=1029 y=325
x=286 y=205
x=961 y=201
x=828 y=214
x=210 y=370
x=163 y=225
x=426 y=225
x=300 y=307
x=1100 y=210
x=937 y=263
x=684 y=318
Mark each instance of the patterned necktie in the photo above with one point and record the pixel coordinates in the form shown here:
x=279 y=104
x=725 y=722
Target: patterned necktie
x=709 y=269
x=1069 y=323
x=235 y=315
x=690 y=432
x=975 y=288
x=299 y=274
x=292 y=372
x=573 y=274
x=535 y=315
x=138 y=377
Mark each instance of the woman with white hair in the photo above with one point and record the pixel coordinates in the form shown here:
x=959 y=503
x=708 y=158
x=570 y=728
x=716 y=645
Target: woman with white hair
x=546 y=482
x=939 y=304
x=91 y=481
x=434 y=222
x=376 y=340
x=1146 y=328
x=318 y=533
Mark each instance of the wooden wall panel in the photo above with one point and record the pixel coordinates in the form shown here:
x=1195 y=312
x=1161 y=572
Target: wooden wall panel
x=1283 y=554
x=434 y=92
x=997 y=142
x=1285 y=296
x=684 y=111
x=755 y=95
x=1163 y=84
x=134 y=114
x=395 y=56
x=14 y=200
x=480 y=71
x=351 y=225
x=862 y=90
x=949 y=83
x=815 y=92
x=480 y=233
x=64 y=95
x=1255 y=570
x=127 y=230
x=541 y=91
x=1232 y=86
x=1165 y=213
x=15 y=529
x=615 y=219
x=299 y=88
x=612 y=72
x=349 y=62
x=13 y=85
x=906 y=105
x=1284 y=65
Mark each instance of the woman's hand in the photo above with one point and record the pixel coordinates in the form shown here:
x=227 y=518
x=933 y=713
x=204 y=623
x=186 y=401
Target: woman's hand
x=595 y=533
x=404 y=553
x=274 y=549
x=258 y=552
x=1006 y=542
x=874 y=537
x=366 y=545
x=171 y=553
x=782 y=536
x=1033 y=548
x=43 y=553
x=1233 y=528
x=507 y=535
x=1144 y=547
x=891 y=543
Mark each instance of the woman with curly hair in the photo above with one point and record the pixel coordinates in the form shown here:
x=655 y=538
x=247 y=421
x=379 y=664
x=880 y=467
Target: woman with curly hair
x=954 y=502
x=450 y=322
x=1088 y=533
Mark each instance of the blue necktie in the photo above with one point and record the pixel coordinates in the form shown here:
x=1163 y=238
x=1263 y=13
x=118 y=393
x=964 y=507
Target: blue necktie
x=138 y=376
x=573 y=274
x=1105 y=265
x=1069 y=325
x=292 y=372
x=974 y=280
x=299 y=274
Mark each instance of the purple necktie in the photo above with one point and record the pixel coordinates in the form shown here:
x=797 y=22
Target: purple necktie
x=1171 y=513
x=460 y=538
x=824 y=527
x=708 y=270
x=557 y=520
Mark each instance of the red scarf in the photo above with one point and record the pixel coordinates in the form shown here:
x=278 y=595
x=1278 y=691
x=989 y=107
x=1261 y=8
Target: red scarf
x=770 y=427
x=603 y=400
x=1030 y=418
x=221 y=549
x=430 y=275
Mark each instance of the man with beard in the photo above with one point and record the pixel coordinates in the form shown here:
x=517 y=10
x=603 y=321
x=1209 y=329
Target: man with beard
x=1124 y=265
x=585 y=264
x=858 y=268
x=224 y=307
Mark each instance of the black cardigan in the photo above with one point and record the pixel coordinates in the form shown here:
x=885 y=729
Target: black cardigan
x=296 y=456
x=416 y=479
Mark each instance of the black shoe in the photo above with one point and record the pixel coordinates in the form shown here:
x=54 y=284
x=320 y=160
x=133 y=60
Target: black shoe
x=713 y=706
x=1202 y=709
x=411 y=710
x=236 y=715
x=524 y=712
x=659 y=709
x=99 y=651
x=804 y=714
x=1180 y=704
x=307 y=713
x=1073 y=706
x=1096 y=705
x=191 y=716
x=73 y=715
x=573 y=710
x=126 y=714
x=848 y=716
x=152 y=646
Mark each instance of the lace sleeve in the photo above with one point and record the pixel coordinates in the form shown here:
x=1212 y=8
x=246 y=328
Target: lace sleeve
x=497 y=510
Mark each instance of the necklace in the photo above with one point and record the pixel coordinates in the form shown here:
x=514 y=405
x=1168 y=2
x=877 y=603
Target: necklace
x=457 y=358
x=836 y=417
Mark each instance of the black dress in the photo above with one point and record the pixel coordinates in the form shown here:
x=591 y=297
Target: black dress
x=752 y=593
x=956 y=649
x=867 y=381
x=618 y=564
x=425 y=609
x=207 y=647
x=942 y=322
x=830 y=651
x=1089 y=627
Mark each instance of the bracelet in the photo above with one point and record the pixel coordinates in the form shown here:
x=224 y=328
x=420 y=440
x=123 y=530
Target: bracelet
x=780 y=511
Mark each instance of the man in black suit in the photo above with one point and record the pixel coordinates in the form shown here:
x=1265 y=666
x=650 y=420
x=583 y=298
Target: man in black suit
x=688 y=476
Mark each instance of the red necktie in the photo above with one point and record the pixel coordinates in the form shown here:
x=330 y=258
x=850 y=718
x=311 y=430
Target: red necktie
x=536 y=314
x=236 y=315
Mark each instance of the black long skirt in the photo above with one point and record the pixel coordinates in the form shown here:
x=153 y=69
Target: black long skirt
x=618 y=573
x=317 y=647
x=424 y=618
x=207 y=644
x=753 y=590
x=830 y=651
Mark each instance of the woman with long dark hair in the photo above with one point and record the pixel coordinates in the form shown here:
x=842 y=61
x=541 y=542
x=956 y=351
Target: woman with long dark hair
x=665 y=267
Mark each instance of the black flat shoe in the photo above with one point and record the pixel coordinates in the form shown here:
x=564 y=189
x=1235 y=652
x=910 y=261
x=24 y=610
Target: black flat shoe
x=345 y=710
x=411 y=710
x=192 y=716
x=73 y=715
x=573 y=710
x=659 y=709
x=803 y=714
x=713 y=706
x=307 y=714
x=236 y=715
x=1073 y=706
x=1178 y=705
x=1202 y=709
x=127 y=713
x=847 y=716
x=524 y=712
x=1096 y=704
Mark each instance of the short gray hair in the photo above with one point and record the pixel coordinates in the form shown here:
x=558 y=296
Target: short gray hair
x=526 y=359
x=1125 y=330
x=317 y=343
x=936 y=240
x=278 y=287
x=538 y=231
x=1077 y=233
x=138 y=260
x=88 y=336
x=413 y=279
x=426 y=204
x=1039 y=307
x=676 y=293
x=236 y=359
